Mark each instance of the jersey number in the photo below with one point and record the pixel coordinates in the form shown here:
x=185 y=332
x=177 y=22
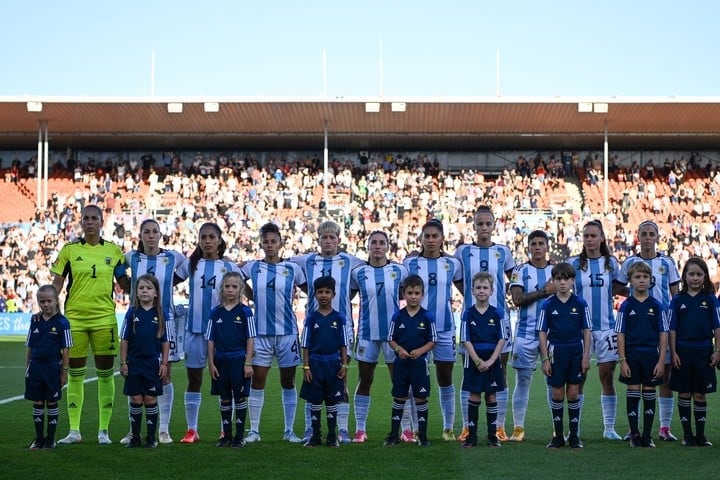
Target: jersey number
x=271 y=284
x=597 y=280
x=94 y=270
x=209 y=283
x=432 y=279
x=611 y=342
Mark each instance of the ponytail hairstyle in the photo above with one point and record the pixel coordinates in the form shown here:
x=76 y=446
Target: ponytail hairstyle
x=604 y=249
x=140 y=246
x=196 y=254
x=157 y=303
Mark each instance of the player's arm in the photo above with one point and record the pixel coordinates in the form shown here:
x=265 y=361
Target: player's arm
x=249 y=351
x=619 y=288
x=342 y=373
x=214 y=374
x=58 y=281
x=544 y=356
x=622 y=359
x=587 y=338
x=65 y=365
x=522 y=299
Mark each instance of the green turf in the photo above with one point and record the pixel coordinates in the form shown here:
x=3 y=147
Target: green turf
x=273 y=458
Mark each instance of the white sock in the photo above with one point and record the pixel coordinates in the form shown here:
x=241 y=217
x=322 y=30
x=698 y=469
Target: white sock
x=464 y=397
x=407 y=419
x=447 y=405
x=192 y=407
x=362 y=407
x=666 y=405
x=581 y=402
x=501 y=397
x=343 y=415
x=521 y=395
x=308 y=417
x=608 y=403
x=165 y=403
x=289 y=401
x=256 y=400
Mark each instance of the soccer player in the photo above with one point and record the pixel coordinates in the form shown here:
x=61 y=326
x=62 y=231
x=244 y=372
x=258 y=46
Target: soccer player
x=330 y=262
x=694 y=324
x=486 y=256
x=484 y=335
x=411 y=335
x=91 y=264
x=231 y=336
x=439 y=271
x=144 y=357
x=273 y=287
x=378 y=284
x=642 y=342
x=150 y=258
x=530 y=285
x=205 y=270
x=46 y=365
x=324 y=344
x=564 y=332
x=664 y=284
x=597 y=270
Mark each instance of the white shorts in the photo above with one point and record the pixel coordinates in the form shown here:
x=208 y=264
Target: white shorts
x=196 y=350
x=176 y=338
x=283 y=347
x=508 y=347
x=351 y=336
x=525 y=353
x=445 y=348
x=368 y=351
x=604 y=346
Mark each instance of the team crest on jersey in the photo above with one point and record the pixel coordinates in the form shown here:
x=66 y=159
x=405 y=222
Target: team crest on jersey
x=166 y=260
x=53 y=329
x=341 y=263
x=421 y=325
x=238 y=319
x=651 y=311
x=393 y=275
x=514 y=278
x=703 y=304
x=662 y=269
x=334 y=324
x=108 y=260
x=497 y=255
x=491 y=321
x=285 y=272
x=155 y=320
x=446 y=266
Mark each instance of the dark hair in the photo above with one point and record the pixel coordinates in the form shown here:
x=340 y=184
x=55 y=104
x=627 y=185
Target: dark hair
x=157 y=303
x=638 y=267
x=604 y=249
x=484 y=209
x=141 y=246
x=708 y=286
x=377 y=232
x=196 y=254
x=432 y=223
x=413 y=281
x=563 y=270
x=324 y=282
x=92 y=205
x=270 y=228
x=538 y=234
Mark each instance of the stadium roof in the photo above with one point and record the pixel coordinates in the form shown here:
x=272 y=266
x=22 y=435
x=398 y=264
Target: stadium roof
x=471 y=124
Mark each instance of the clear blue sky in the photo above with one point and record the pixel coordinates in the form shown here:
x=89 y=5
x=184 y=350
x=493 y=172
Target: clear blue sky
x=429 y=48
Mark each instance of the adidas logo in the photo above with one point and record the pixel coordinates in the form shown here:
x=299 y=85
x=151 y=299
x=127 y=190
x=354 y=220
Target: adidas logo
x=330 y=415
x=38 y=420
x=473 y=323
x=649 y=411
x=36 y=331
x=632 y=312
x=494 y=384
x=72 y=405
x=683 y=307
x=632 y=414
x=313 y=417
x=338 y=394
x=574 y=420
x=149 y=422
x=396 y=418
x=471 y=424
x=683 y=419
x=556 y=419
x=79 y=259
x=709 y=386
x=316 y=326
x=402 y=325
x=555 y=312
x=423 y=390
x=422 y=420
x=219 y=320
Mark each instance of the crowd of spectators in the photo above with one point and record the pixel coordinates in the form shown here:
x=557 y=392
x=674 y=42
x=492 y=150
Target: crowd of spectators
x=394 y=193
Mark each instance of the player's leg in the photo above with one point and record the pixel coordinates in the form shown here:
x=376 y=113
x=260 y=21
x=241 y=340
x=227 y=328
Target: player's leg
x=240 y=391
x=573 y=415
x=605 y=347
x=76 y=383
x=264 y=352
x=175 y=331
x=632 y=402
x=38 y=414
x=524 y=359
x=649 y=396
x=444 y=355
x=288 y=359
x=195 y=362
x=52 y=418
x=105 y=345
x=343 y=406
x=502 y=397
x=491 y=413
x=666 y=404
x=367 y=354
x=152 y=413
x=700 y=411
x=136 y=409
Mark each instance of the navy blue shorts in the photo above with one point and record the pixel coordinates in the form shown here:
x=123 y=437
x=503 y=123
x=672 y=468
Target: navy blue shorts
x=325 y=386
x=143 y=377
x=231 y=382
x=566 y=365
x=475 y=381
x=695 y=375
x=42 y=382
x=411 y=373
x=641 y=363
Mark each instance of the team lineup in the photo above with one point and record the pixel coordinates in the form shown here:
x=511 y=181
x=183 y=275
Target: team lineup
x=666 y=334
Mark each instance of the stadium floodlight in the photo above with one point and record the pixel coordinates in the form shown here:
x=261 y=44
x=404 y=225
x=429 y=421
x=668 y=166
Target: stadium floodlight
x=175 y=107
x=372 y=107
x=600 y=107
x=34 y=107
x=211 y=107
x=585 y=107
x=398 y=106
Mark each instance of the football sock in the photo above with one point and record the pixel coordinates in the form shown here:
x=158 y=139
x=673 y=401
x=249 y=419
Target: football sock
x=473 y=412
x=38 y=414
x=464 y=399
x=398 y=407
x=289 y=402
x=608 y=404
x=75 y=395
x=574 y=416
x=521 y=396
x=52 y=419
x=106 y=396
x=491 y=414
x=152 y=412
x=362 y=407
x=343 y=415
x=192 y=407
x=632 y=400
x=501 y=397
x=135 y=419
x=447 y=406
x=665 y=410
x=255 y=403
x=700 y=414
x=648 y=397
x=241 y=409
x=165 y=403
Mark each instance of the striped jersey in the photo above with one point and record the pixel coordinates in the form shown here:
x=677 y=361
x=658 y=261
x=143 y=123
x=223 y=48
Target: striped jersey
x=531 y=279
x=594 y=285
x=664 y=275
x=163 y=266
x=495 y=259
x=273 y=292
x=204 y=290
x=438 y=274
x=339 y=267
x=379 y=291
